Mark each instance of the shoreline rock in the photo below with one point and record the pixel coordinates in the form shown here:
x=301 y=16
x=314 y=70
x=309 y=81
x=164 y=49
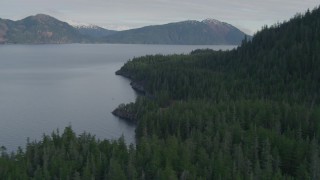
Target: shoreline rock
x=124 y=74
x=123 y=113
x=136 y=85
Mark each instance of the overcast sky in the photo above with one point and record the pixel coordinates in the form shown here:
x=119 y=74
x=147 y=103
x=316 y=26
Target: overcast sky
x=247 y=15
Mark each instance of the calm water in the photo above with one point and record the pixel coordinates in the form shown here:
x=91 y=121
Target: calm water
x=46 y=87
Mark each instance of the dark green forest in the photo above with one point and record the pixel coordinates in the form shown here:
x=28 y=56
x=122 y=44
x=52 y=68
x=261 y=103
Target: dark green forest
x=248 y=113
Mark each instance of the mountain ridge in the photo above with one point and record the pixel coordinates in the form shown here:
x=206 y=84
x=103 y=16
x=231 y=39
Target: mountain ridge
x=191 y=32
x=38 y=29
x=44 y=29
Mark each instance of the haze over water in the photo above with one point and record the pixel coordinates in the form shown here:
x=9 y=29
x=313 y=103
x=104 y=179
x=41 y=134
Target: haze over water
x=48 y=87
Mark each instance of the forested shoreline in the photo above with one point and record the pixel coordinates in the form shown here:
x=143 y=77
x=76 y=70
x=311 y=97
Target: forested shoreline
x=248 y=113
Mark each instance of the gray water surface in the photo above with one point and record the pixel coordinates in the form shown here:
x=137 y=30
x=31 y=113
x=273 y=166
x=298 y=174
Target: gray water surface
x=48 y=87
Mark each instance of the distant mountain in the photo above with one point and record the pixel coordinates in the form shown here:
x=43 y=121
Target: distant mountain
x=94 y=31
x=209 y=31
x=41 y=29
x=38 y=29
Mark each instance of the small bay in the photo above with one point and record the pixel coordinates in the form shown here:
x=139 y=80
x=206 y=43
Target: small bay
x=49 y=87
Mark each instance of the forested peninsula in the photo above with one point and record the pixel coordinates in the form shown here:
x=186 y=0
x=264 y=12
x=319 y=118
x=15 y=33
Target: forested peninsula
x=248 y=113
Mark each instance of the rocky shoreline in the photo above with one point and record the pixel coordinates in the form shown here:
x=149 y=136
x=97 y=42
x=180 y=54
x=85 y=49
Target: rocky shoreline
x=136 y=85
x=126 y=112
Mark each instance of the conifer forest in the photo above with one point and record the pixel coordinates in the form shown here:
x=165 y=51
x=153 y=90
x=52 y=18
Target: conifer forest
x=248 y=113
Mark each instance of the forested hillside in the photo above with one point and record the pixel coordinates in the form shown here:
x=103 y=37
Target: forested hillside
x=249 y=113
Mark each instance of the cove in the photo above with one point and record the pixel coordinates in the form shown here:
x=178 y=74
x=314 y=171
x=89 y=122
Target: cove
x=48 y=87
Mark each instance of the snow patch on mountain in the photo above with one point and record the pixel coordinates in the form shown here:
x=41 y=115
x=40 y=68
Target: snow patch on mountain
x=215 y=22
x=212 y=21
x=80 y=25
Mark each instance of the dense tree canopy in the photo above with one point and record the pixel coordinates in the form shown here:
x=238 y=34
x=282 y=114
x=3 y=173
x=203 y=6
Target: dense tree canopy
x=248 y=113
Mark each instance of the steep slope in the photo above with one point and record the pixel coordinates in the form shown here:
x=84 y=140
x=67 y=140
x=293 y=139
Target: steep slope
x=3 y=30
x=38 y=29
x=231 y=34
x=186 y=32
